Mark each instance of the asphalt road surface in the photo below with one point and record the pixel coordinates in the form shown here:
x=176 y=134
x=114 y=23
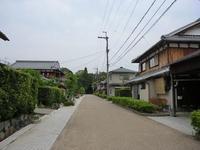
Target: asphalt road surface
x=101 y=125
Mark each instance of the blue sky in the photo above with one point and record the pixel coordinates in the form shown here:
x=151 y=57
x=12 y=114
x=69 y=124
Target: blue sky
x=66 y=29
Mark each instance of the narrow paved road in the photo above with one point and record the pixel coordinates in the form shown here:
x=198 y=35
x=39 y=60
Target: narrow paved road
x=101 y=125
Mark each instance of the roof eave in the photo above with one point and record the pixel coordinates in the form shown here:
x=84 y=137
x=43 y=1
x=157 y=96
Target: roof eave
x=196 y=22
x=137 y=60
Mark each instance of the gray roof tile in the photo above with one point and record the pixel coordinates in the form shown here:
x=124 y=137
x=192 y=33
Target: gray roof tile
x=122 y=70
x=30 y=64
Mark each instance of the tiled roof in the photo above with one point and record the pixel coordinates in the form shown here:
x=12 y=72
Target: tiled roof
x=174 y=36
x=122 y=70
x=196 y=22
x=183 y=38
x=31 y=64
x=149 y=75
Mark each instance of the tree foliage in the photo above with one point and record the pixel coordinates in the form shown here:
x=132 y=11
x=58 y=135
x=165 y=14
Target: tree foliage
x=85 y=80
x=18 y=93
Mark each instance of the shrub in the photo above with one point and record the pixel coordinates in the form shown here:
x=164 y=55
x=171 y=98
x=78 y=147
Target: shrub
x=50 y=96
x=135 y=104
x=123 y=92
x=101 y=95
x=195 y=117
x=68 y=103
x=18 y=93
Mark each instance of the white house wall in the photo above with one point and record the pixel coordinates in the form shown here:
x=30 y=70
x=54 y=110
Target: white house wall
x=111 y=91
x=116 y=78
x=144 y=93
x=193 y=31
x=150 y=93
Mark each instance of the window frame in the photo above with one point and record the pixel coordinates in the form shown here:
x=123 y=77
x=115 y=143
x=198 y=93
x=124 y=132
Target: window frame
x=155 y=64
x=143 y=86
x=141 y=67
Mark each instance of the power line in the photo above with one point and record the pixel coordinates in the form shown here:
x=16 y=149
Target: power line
x=105 y=11
x=119 y=20
x=83 y=57
x=92 y=60
x=109 y=13
x=145 y=25
x=129 y=18
x=133 y=30
x=117 y=9
x=131 y=14
x=127 y=50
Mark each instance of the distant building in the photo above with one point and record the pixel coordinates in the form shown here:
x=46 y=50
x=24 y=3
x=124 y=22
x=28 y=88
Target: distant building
x=101 y=87
x=169 y=71
x=49 y=69
x=118 y=78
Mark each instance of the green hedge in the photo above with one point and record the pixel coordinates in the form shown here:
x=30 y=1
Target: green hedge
x=195 y=117
x=135 y=104
x=18 y=93
x=49 y=96
x=123 y=92
x=101 y=95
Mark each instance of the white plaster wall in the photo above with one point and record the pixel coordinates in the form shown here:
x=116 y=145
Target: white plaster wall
x=111 y=91
x=193 y=31
x=144 y=93
x=117 y=79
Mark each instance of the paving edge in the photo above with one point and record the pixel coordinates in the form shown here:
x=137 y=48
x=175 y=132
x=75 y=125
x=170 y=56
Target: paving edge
x=14 y=136
x=17 y=134
x=4 y=144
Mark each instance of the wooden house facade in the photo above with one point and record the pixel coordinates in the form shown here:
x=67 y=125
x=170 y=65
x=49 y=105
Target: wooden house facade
x=155 y=82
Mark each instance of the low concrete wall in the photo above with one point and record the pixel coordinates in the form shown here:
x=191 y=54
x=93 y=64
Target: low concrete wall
x=8 y=127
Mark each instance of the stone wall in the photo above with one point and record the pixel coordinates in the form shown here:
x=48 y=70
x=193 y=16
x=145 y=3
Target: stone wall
x=10 y=126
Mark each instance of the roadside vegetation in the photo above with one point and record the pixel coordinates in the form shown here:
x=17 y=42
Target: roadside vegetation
x=195 y=117
x=135 y=104
x=18 y=93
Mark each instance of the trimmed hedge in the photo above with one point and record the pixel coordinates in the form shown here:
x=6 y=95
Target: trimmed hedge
x=123 y=92
x=195 y=117
x=50 y=95
x=101 y=95
x=139 y=105
x=18 y=93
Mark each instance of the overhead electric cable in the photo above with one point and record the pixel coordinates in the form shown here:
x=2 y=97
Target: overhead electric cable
x=109 y=13
x=127 y=50
x=145 y=25
x=133 y=30
x=83 y=57
x=129 y=18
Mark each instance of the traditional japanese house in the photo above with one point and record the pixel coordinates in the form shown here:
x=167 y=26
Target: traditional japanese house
x=169 y=70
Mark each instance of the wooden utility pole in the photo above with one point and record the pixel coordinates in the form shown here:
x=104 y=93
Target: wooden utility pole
x=107 y=59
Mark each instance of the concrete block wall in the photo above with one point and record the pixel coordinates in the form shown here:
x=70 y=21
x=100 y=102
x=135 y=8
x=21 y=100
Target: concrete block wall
x=8 y=127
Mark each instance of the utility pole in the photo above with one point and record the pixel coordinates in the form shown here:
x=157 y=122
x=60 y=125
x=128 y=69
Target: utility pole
x=107 y=51
x=97 y=75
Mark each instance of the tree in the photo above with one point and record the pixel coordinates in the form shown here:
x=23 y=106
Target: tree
x=85 y=80
x=71 y=84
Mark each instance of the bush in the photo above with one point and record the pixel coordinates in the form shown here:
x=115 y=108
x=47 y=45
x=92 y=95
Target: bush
x=18 y=93
x=50 y=96
x=135 y=104
x=195 y=117
x=123 y=92
x=101 y=95
x=68 y=103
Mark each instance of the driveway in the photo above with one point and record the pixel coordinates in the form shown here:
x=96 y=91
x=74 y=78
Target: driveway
x=101 y=125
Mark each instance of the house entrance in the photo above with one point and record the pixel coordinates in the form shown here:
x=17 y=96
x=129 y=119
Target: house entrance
x=188 y=96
